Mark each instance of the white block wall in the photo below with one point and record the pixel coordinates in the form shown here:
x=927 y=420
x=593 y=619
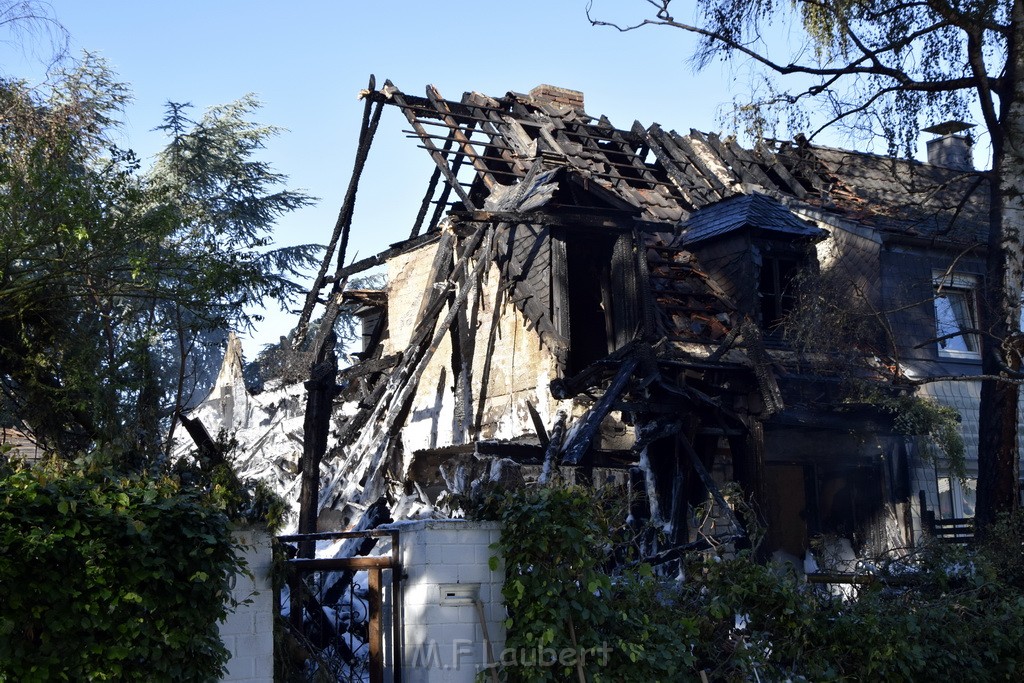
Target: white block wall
x=444 y=640
x=248 y=632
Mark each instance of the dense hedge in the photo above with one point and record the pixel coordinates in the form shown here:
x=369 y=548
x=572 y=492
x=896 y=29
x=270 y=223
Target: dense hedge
x=939 y=613
x=109 y=577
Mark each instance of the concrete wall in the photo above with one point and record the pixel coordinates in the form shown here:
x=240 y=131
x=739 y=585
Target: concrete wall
x=248 y=632
x=445 y=563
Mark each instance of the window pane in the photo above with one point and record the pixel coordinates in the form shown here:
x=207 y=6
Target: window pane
x=970 y=488
x=945 y=497
x=954 y=311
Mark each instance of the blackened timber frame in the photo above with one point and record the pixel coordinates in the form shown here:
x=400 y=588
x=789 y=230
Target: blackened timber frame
x=598 y=301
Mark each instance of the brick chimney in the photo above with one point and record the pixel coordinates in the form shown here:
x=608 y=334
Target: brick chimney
x=562 y=98
x=952 y=148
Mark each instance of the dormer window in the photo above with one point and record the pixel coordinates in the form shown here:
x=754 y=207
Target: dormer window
x=777 y=289
x=956 y=316
x=755 y=247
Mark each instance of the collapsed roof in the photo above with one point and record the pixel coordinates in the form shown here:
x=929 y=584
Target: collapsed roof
x=498 y=142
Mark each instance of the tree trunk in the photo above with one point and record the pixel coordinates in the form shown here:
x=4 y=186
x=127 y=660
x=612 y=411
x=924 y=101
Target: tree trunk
x=998 y=460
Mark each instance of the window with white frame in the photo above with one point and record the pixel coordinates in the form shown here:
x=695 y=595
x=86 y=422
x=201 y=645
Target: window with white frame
x=956 y=316
x=956 y=497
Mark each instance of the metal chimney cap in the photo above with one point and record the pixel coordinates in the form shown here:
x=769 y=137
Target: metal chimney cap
x=949 y=127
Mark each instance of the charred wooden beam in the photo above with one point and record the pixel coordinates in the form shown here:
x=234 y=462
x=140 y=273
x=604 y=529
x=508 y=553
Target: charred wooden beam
x=677 y=551
x=381 y=257
x=320 y=392
x=584 y=435
x=377 y=514
x=444 y=110
x=691 y=192
x=362 y=468
x=210 y=454
x=368 y=367
x=538 y=425
x=427 y=197
x=492 y=333
x=709 y=483
x=551 y=446
x=506 y=130
x=774 y=166
x=343 y=225
x=439 y=159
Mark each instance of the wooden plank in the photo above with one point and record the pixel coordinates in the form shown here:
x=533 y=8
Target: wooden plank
x=374 y=628
x=435 y=153
x=339 y=563
x=445 y=111
x=334 y=535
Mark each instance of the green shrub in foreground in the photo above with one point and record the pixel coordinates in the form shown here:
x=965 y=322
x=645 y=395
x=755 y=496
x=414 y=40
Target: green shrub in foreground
x=954 y=612
x=109 y=577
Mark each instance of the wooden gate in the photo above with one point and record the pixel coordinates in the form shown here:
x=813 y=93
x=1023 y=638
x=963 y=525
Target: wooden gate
x=333 y=611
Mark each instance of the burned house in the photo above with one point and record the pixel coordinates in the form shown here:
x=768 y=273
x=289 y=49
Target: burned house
x=617 y=303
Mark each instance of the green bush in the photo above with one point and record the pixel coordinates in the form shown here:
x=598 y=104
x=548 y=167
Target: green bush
x=110 y=577
x=941 y=612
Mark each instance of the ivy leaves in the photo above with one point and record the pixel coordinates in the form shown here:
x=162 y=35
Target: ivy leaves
x=107 y=577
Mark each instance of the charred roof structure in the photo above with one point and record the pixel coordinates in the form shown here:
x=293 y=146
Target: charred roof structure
x=613 y=303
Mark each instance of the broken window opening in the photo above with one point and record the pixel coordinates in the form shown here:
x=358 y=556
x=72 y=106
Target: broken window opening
x=777 y=290
x=590 y=295
x=956 y=316
x=594 y=294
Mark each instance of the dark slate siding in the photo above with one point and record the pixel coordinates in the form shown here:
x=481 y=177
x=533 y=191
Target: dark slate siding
x=907 y=276
x=524 y=255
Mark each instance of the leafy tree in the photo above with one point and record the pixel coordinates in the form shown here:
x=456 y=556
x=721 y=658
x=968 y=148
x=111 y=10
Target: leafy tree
x=880 y=67
x=32 y=26
x=116 y=283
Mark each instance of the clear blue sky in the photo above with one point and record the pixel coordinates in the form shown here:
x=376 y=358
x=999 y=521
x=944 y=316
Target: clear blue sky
x=307 y=60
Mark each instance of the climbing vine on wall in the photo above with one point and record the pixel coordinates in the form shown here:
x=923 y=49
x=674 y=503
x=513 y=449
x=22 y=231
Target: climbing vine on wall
x=923 y=417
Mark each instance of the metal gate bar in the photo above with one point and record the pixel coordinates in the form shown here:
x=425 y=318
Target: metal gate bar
x=374 y=566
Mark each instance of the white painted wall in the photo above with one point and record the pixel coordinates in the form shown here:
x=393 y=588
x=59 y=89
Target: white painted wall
x=248 y=632
x=444 y=638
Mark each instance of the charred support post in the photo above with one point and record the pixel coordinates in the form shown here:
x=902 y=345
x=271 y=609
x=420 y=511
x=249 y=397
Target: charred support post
x=321 y=390
x=344 y=222
x=709 y=483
